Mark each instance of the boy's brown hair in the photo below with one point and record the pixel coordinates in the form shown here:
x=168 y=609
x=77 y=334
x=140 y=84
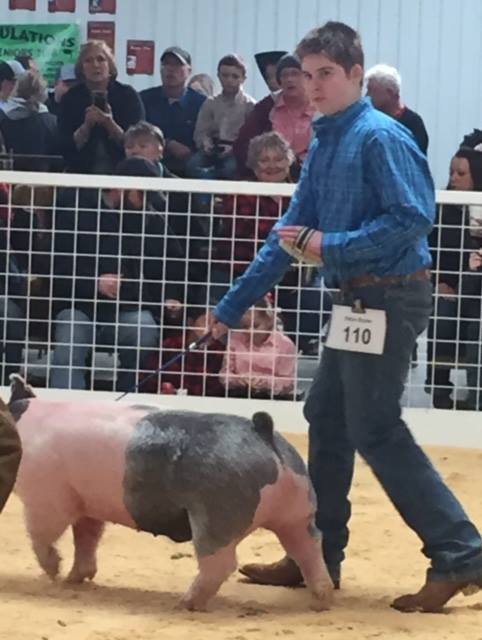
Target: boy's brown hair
x=337 y=41
x=233 y=60
x=144 y=129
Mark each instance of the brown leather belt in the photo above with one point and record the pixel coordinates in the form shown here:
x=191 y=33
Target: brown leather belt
x=369 y=279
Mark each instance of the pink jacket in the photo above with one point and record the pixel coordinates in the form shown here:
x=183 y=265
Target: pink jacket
x=269 y=366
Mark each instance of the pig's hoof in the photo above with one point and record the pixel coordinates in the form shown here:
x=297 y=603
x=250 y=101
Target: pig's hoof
x=50 y=562
x=191 y=604
x=322 y=601
x=78 y=574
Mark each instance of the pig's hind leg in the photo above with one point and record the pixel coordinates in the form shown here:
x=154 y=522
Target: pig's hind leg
x=215 y=563
x=87 y=533
x=214 y=569
x=302 y=542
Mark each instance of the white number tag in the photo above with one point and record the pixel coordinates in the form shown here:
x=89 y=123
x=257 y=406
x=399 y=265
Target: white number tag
x=363 y=331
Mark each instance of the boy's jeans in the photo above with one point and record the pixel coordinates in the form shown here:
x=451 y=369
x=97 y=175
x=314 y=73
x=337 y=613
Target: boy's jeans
x=354 y=405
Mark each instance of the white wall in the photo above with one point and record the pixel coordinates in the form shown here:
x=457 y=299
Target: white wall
x=436 y=44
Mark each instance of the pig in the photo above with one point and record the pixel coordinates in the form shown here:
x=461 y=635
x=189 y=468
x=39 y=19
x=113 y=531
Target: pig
x=211 y=478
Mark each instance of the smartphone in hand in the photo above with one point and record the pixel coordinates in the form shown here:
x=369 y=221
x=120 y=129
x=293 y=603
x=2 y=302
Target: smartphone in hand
x=99 y=99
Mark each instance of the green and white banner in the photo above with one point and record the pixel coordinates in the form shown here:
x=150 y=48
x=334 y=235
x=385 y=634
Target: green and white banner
x=51 y=45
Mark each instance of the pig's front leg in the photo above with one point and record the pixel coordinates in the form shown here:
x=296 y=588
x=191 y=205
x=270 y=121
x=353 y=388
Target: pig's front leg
x=45 y=526
x=213 y=571
x=87 y=533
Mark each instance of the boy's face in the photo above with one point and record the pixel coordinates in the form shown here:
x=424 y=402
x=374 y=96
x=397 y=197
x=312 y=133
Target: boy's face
x=291 y=82
x=231 y=79
x=145 y=147
x=328 y=86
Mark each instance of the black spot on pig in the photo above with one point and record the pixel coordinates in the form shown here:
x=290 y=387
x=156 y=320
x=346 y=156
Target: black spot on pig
x=198 y=469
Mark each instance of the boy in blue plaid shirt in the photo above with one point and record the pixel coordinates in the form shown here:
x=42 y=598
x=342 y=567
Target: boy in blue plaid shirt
x=362 y=209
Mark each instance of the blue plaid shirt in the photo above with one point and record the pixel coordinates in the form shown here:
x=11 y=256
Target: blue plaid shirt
x=366 y=185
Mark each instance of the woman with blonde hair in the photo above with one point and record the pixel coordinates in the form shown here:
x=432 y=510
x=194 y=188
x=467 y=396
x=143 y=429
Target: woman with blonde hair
x=27 y=128
x=95 y=114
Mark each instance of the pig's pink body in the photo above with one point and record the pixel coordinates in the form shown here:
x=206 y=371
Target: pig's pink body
x=77 y=452
x=72 y=472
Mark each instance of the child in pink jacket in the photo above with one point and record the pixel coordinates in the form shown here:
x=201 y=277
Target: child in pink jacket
x=260 y=359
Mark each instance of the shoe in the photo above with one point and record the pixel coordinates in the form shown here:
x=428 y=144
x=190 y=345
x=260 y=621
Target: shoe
x=435 y=594
x=284 y=573
x=310 y=348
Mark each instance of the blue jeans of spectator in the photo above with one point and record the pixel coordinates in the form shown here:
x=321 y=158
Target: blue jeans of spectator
x=13 y=330
x=445 y=330
x=207 y=166
x=473 y=361
x=354 y=405
x=305 y=310
x=135 y=334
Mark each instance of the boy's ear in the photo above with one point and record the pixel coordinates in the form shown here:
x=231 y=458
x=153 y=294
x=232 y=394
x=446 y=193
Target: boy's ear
x=357 y=73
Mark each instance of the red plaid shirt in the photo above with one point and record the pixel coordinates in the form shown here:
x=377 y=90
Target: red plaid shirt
x=246 y=223
x=197 y=371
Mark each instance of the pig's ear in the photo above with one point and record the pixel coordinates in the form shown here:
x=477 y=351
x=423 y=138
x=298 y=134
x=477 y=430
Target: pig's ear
x=19 y=389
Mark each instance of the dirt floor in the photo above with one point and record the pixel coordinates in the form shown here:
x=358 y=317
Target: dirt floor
x=141 y=578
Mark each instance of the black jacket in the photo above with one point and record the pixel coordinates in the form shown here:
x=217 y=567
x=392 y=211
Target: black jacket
x=13 y=282
x=35 y=134
x=450 y=245
x=96 y=240
x=127 y=109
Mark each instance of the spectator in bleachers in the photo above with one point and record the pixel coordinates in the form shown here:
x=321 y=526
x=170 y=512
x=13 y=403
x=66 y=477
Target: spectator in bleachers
x=28 y=128
x=203 y=84
x=174 y=108
x=266 y=62
x=260 y=360
x=140 y=267
x=219 y=121
x=197 y=372
x=472 y=285
x=95 y=114
x=451 y=243
x=13 y=296
x=30 y=238
x=245 y=224
x=472 y=306
x=288 y=112
x=10 y=72
x=147 y=141
x=28 y=62
x=383 y=87
x=66 y=79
